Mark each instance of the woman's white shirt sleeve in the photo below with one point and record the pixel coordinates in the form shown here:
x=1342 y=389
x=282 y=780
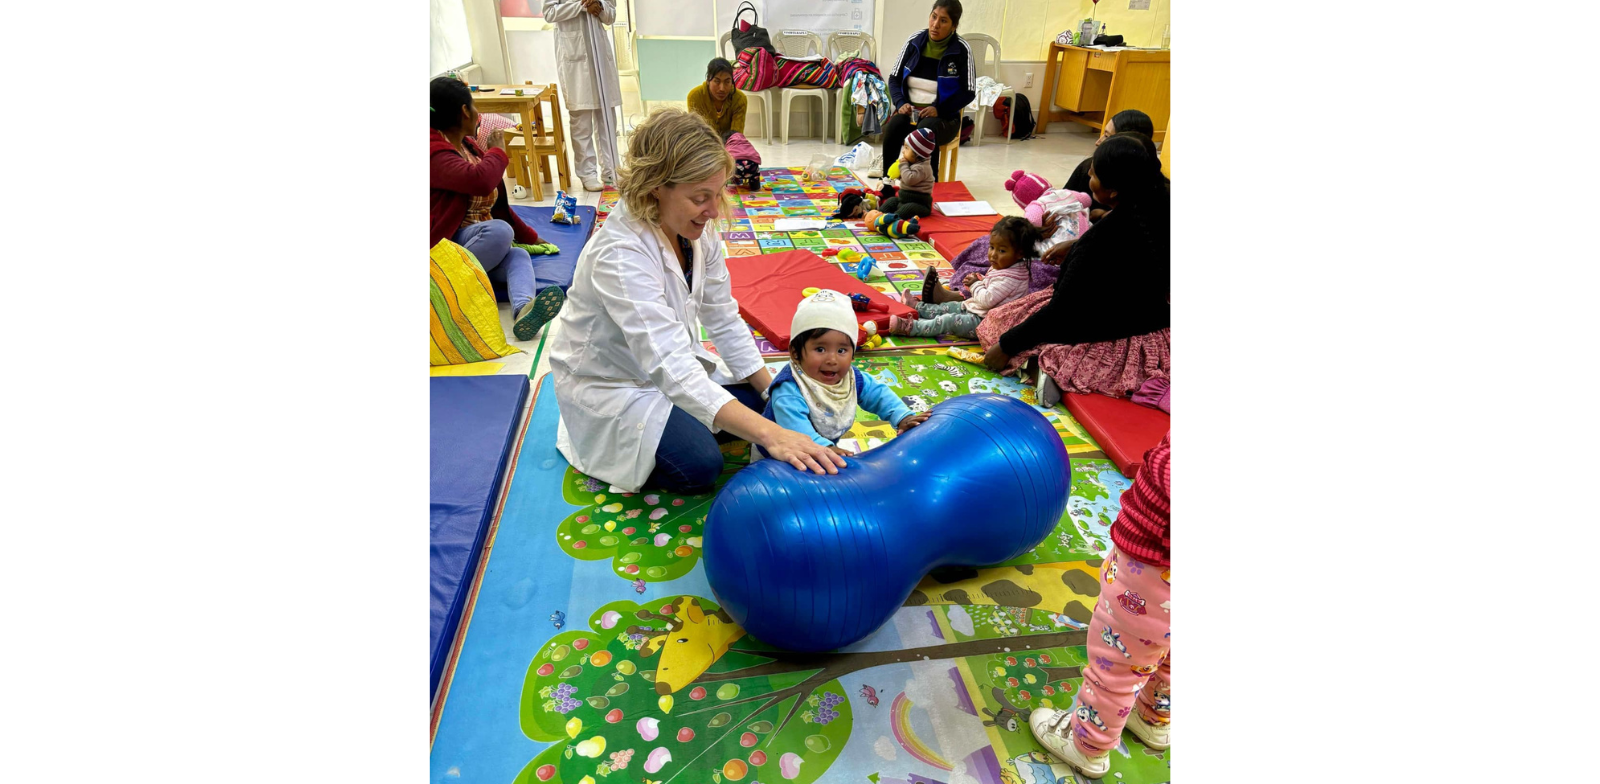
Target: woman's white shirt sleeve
x=656 y=336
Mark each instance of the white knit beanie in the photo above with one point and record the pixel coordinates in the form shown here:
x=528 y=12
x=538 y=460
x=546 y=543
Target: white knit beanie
x=826 y=309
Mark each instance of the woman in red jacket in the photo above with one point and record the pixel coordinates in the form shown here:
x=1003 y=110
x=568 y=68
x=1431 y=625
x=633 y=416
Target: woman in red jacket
x=467 y=206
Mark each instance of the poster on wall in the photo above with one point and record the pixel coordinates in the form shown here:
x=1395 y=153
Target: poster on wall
x=818 y=16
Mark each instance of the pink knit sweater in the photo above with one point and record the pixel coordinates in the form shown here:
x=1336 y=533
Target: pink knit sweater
x=997 y=288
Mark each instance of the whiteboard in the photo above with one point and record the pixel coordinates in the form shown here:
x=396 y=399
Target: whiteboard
x=675 y=18
x=818 y=16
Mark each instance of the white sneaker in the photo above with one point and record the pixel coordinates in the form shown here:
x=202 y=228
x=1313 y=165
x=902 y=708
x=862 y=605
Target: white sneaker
x=591 y=183
x=1155 y=736
x=1050 y=728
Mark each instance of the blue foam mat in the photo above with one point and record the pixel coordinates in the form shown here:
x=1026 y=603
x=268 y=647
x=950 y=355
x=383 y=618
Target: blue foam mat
x=473 y=429
x=556 y=269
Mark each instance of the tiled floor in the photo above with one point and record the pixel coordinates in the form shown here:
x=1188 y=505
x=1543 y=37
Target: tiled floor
x=984 y=170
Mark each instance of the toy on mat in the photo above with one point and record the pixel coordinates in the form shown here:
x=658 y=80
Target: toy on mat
x=826 y=252
x=855 y=203
x=965 y=355
x=863 y=268
x=868 y=337
x=864 y=304
x=566 y=209
x=879 y=525
x=848 y=255
x=542 y=249
x=808 y=292
x=892 y=225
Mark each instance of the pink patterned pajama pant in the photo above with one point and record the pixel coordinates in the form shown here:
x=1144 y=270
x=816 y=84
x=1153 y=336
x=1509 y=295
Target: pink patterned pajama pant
x=1130 y=661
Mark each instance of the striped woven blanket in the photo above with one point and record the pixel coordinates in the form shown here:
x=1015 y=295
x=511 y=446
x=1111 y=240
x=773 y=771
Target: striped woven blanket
x=757 y=69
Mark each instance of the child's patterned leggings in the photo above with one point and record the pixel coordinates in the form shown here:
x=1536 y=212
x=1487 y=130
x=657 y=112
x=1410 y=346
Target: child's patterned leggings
x=1130 y=661
x=748 y=174
x=944 y=318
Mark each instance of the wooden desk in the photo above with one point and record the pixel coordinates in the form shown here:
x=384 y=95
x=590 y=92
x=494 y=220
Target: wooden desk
x=527 y=107
x=1091 y=85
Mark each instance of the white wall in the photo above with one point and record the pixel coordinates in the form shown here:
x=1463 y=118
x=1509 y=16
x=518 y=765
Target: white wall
x=532 y=54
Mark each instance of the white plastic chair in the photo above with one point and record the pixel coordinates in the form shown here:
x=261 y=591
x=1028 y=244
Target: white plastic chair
x=800 y=43
x=841 y=41
x=981 y=45
x=724 y=46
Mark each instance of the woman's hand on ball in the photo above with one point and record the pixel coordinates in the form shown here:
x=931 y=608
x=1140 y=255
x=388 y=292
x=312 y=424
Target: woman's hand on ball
x=912 y=421
x=802 y=453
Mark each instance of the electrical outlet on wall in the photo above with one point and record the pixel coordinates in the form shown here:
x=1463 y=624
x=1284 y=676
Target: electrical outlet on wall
x=1027 y=79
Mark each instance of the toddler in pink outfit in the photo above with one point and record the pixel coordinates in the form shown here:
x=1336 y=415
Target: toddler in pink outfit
x=1013 y=245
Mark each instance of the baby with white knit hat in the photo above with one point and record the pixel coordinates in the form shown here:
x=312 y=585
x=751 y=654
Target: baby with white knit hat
x=819 y=391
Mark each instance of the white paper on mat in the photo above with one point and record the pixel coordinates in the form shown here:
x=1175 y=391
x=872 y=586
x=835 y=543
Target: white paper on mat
x=798 y=224
x=960 y=208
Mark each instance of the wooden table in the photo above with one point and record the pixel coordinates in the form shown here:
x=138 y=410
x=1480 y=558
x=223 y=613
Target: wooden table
x=1092 y=85
x=527 y=107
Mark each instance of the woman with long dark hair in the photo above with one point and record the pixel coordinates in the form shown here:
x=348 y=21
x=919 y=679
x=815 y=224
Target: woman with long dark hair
x=467 y=205
x=1105 y=327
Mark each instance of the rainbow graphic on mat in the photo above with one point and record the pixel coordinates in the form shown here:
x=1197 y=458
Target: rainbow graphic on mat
x=900 y=725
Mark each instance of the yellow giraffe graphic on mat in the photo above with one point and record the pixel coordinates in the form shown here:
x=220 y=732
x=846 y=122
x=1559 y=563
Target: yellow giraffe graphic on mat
x=690 y=644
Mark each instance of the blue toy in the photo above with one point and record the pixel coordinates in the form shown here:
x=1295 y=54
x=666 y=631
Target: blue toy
x=812 y=562
x=864 y=267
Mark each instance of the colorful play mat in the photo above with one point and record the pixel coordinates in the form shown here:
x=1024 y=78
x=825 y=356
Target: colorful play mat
x=552 y=675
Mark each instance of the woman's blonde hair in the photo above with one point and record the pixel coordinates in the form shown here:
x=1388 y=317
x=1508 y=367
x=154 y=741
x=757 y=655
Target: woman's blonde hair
x=669 y=148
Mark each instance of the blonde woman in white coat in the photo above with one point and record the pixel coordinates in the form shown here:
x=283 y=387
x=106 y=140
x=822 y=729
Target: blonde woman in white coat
x=643 y=403
x=581 y=86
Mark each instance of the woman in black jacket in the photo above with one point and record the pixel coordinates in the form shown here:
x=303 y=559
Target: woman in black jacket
x=931 y=82
x=1105 y=327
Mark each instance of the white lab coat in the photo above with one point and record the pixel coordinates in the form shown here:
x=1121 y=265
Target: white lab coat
x=575 y=64
x=628 y=348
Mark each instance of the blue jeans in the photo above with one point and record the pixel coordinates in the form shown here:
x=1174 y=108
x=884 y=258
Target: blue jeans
x=688 y=461
x=490 y=244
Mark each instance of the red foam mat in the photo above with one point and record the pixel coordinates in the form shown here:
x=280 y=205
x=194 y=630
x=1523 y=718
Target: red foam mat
x=769 y=287
x=951 y=191
x=949 y=244
x=1124 y=430
x=939 y=224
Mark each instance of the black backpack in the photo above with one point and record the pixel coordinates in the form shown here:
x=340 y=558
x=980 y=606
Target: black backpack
x=1024 y=118
x=756 y=36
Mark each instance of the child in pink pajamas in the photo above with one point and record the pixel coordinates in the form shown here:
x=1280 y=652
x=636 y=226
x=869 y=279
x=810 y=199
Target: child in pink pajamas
x=1128 y=680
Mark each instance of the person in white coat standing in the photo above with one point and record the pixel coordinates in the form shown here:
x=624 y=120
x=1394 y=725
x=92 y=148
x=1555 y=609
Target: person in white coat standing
x=643 y=402
x=588 y=78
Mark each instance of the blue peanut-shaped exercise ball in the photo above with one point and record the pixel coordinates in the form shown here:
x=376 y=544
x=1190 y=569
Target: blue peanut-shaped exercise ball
x=812 y=562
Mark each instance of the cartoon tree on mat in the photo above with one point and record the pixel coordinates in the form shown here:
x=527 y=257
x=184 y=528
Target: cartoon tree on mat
x=650 y=537
x=1022 y=681
x=754 y=713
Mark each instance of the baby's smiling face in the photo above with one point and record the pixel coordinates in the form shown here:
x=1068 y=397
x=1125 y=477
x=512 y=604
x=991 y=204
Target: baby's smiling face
x=826 y=358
